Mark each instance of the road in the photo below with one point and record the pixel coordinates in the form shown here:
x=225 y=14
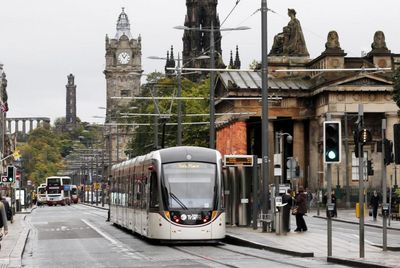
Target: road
x=79 y=236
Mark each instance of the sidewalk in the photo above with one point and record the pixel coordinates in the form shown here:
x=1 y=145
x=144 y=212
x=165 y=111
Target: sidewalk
x=313 y=243
x=13 y=244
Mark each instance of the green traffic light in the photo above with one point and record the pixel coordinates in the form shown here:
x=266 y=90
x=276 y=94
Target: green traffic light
x=331 y=155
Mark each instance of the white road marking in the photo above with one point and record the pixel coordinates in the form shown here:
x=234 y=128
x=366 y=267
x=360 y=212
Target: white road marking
x=117 y=244
x=369 y=242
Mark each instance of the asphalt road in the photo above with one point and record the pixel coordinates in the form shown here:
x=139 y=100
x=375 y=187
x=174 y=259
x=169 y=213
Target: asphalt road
x=79 y=236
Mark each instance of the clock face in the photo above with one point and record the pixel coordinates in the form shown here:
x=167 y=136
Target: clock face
x=124 y=58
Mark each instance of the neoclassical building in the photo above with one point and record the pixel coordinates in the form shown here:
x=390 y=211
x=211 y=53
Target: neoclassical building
x=303 y=91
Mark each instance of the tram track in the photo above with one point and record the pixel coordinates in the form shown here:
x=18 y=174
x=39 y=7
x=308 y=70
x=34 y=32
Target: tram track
x=226 y=264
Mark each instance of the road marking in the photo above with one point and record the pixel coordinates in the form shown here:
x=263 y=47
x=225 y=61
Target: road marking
x=133 y=254
x=369 y=242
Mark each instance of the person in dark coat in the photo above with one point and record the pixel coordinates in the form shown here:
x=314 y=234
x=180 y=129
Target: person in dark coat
x=287 y=198
x=301 y=203
x=374 y=203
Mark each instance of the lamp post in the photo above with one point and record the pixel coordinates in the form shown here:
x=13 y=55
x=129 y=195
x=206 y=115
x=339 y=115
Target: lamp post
x=264 y=116
x=212 y=71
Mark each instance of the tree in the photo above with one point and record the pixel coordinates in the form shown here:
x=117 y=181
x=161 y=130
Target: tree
x=196 y=135
x=41 y=155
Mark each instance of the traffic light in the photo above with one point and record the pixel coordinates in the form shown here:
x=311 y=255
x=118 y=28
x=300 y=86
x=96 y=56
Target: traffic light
x=10 y=174
x=370 y=168
x=364 y=136
x=396 y=140
x=332 y=142
x=388 y=145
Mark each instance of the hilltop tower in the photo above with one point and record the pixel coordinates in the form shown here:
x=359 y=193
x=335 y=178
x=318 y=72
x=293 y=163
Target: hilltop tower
x=70 y=116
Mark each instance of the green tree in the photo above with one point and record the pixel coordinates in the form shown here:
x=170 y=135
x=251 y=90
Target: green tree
x=142 y=141
x=41 y=155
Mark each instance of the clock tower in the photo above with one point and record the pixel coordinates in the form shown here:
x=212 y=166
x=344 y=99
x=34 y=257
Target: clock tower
x=123 y=72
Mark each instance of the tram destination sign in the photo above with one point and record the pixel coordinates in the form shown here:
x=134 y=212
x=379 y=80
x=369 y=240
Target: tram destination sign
x=238 y=160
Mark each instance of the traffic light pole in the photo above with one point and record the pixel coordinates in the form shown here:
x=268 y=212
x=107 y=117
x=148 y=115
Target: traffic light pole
x=361 y=181
x=329 y=201
x=384 y=201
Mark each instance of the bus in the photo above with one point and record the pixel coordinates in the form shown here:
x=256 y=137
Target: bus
x=74 y=194
x=173 y=194
x=58 y=190
x=41 y=194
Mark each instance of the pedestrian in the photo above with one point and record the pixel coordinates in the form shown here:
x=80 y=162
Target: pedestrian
x=374 y=203
x=301 y=203
x=3 y=220
x=288 y=200
x=7 y=208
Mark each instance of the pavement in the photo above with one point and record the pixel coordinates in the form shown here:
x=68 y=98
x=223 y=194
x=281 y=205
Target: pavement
x=312 y=243
x=13 y=244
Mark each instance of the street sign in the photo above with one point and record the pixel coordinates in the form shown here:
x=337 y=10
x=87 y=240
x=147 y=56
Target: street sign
x=238 y=160
x=4 y=179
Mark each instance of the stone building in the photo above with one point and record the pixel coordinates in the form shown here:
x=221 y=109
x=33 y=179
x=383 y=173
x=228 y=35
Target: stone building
x=302 y=92
x=200 y=15
x=122 y=72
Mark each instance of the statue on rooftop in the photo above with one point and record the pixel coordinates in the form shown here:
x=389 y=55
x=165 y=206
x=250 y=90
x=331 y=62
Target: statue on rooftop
x=290 y=42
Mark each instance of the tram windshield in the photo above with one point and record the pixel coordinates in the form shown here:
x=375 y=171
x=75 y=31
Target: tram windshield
x=190 y=185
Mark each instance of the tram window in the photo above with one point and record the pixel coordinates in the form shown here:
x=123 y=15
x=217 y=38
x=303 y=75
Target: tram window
x=154 y=201
x=190 y=184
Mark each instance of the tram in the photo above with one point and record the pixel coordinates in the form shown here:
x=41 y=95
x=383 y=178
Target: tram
x=173 y=194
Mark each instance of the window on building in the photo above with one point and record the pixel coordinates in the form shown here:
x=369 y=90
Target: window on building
x=124 y=93
x=355 y=163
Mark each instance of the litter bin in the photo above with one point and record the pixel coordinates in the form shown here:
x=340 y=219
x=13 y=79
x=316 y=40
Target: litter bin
x=279 y=221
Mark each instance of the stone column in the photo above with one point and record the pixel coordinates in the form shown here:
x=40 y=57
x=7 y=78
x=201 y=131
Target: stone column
x=298 y=147
x=16 y=125
x=9 y=125
x=30 y=125
x=23 y=126
x=391 y=119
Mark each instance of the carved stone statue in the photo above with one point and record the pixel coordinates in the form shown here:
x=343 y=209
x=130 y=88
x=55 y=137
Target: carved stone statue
x=379 y=41
x=290 y=42
x=332 y=41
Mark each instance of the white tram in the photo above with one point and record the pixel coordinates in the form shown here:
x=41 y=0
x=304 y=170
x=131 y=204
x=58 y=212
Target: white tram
x=171 y=194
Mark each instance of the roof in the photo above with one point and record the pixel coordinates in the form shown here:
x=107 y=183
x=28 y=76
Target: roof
x=252 y=80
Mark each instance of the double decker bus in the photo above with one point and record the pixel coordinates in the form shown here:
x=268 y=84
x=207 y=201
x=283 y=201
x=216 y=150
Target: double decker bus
x=58 y=190
x=41 y=194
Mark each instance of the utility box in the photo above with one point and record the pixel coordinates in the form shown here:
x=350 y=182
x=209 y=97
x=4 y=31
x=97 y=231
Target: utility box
x=358 y=210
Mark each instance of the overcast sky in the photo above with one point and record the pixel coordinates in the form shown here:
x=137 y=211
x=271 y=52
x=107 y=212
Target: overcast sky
x=42 y=41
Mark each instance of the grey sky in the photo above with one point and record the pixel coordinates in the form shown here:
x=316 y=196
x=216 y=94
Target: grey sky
x=42 y=41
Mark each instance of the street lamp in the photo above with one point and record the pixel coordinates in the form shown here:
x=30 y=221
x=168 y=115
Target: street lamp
x=212 y=72
x=264 y=112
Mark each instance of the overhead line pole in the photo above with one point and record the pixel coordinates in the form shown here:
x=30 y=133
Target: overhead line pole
x=264 y=117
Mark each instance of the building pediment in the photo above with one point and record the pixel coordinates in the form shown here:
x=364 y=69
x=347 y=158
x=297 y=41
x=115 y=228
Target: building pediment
x=364 y=80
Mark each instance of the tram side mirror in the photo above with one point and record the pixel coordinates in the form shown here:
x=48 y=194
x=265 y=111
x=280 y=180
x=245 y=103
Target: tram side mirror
x=330 y=209
x=385 y=210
